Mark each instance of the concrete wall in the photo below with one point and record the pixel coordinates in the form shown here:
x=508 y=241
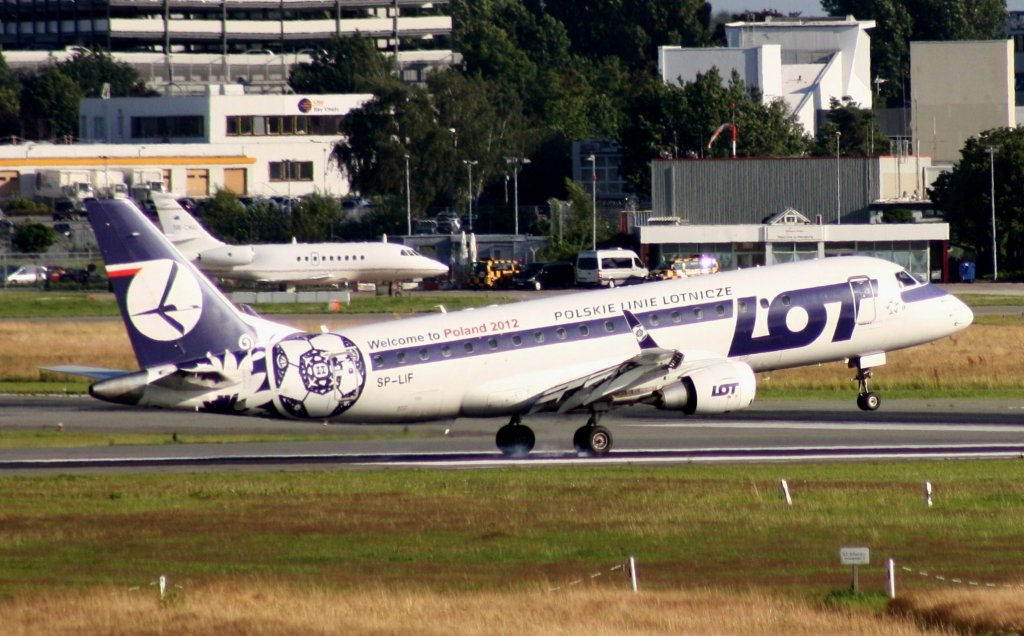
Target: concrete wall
x=959 y=90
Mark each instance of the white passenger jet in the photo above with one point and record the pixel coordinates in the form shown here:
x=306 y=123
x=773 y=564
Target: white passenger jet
x=688 y=345
x=291 y=263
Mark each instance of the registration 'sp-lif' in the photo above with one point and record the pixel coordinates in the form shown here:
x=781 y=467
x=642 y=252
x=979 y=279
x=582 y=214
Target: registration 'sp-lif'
x=689 y=345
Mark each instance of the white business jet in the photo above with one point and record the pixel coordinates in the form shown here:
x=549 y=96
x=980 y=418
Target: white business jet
x=688 y=345
x=291 y=263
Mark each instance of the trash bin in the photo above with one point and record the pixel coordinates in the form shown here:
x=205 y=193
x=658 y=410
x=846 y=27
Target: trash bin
x=967 y=271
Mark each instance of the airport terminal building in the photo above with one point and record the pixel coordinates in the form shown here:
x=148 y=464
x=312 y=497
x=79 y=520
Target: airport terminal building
x=254 y=145
x=751 y=212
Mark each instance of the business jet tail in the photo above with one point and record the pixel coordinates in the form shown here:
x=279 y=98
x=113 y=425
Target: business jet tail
x=181 y=228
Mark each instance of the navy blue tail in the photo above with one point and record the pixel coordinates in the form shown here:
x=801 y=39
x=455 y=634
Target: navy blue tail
x=173 y=313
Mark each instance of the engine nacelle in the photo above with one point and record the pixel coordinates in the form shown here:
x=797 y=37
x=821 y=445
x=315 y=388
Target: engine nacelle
x=717 y=388
x=227 y=255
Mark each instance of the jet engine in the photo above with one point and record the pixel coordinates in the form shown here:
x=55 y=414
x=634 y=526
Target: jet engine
x=717 y=388
x=227 y=255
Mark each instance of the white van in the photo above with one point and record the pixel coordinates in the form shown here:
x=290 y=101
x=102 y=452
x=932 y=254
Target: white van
x=609 y=268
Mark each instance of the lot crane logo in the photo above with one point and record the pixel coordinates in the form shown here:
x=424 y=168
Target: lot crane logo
x=164 y=301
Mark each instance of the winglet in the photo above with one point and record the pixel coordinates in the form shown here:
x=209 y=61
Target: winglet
x=643 y=338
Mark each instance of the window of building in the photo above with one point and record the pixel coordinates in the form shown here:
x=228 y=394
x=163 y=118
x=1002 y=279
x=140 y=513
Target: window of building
x=184 y=126
x=291 y=170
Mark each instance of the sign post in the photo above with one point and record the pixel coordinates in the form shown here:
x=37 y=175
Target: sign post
x=855 y=556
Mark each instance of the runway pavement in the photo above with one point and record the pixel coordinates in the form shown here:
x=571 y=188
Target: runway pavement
x=768 y=431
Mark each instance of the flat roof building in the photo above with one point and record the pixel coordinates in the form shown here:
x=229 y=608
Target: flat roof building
x=253 y=145
x=803 y=61
x=185 y=33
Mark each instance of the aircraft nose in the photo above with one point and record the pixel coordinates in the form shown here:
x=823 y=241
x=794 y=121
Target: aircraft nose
x=960 y=314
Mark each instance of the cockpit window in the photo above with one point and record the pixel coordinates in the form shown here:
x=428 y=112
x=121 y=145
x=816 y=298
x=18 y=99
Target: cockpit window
x=905 y=279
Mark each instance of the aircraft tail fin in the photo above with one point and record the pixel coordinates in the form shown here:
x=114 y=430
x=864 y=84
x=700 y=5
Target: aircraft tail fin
x=181 y=228
x=172 y=312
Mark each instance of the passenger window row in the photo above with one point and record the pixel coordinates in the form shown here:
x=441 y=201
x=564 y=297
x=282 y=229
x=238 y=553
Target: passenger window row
x=513 y=341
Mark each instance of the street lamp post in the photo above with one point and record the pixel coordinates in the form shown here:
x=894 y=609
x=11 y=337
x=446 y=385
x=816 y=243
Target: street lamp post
x=515 y=162
x=593 y=200
x=469 y=166
x=839 y=198
x=992 y=195
x=408 y=199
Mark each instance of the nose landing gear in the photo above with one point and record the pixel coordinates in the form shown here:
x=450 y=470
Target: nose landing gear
x=866 y=398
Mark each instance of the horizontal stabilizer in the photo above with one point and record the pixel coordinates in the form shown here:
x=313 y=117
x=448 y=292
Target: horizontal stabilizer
x=96 y=373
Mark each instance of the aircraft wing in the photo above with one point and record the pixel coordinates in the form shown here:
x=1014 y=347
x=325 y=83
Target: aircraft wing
x=625 y=383
x=632 y=377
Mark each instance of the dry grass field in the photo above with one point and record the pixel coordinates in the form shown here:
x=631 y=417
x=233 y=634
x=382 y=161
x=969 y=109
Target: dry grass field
x=982 y=357
x=255 y=610
x=26 y=345
x=966 y=611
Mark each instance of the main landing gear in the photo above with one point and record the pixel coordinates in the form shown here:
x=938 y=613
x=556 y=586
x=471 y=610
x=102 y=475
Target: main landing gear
x=591 y=439
x=517 y=440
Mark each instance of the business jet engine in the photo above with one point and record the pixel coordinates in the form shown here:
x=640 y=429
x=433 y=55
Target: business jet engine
x=227 y=255
x=719 y=387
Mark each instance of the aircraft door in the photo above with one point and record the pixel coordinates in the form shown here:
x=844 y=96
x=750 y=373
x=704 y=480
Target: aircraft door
x=864 y=294
x=315 y=258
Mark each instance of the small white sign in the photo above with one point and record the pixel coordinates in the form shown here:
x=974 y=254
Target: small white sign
x=854 y=556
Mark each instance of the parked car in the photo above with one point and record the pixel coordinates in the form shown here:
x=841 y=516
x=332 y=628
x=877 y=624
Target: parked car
x=27 y=275
x=64 y=210
x=83 y=277
x=55 y=274
x=425 y=226
x=555 y=275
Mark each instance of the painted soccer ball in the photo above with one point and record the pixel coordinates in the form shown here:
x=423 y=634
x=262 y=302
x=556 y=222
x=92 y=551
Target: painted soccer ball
x=317 y=375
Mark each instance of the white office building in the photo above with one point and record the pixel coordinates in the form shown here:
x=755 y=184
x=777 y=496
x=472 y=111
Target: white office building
x=184 y=44
x=806 y=62
x=253 y=145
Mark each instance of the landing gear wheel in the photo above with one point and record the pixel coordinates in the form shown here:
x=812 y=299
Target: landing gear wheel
x=515 y=440
x=537 y=286
x=592 y=440
x=869 y=401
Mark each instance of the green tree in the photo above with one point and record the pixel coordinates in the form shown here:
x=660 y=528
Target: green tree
x=10 y=101
x=314 y=218
x=350 y=64
x=859 y=134
x=668 y=120
x=574 y=232
x=963 y=194
x=259 y=222
x=898 y=22
x=32 y=238
x=454 y=119
x=630 y=31
x=90 y=70
x=49 y=105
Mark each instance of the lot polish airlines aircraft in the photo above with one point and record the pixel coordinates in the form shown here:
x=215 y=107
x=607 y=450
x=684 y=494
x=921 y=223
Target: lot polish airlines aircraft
x=689 y=345
x=291 y=263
